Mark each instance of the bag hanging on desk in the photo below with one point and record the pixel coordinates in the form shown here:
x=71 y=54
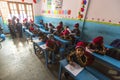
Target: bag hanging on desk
x=114 y=53
x=116 y=43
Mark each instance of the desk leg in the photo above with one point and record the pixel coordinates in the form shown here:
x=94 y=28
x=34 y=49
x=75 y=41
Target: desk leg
x=53 y=57
x=46 y=57
x=34 y=47
x=60 y=72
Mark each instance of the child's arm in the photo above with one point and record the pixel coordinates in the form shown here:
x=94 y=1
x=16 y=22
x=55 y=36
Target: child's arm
x=88 y=49
x=69 y=58
x=103 y=50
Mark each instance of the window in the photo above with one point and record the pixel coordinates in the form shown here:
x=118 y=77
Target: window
x=4 y=11
x=13 y=9
x=21 y=10
x=29 y=11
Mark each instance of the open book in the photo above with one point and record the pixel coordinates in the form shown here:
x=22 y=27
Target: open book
x=75 y=70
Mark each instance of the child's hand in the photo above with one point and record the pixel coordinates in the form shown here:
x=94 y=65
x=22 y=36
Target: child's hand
x=72 y=63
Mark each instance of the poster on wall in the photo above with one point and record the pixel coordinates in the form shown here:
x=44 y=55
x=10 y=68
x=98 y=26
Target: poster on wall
x=58 y=4
x=49 y=4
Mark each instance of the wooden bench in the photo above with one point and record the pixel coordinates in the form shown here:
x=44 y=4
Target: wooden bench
x=87 y=74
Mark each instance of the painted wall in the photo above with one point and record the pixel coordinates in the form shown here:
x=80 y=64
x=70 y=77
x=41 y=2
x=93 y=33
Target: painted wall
x=102 y=19
x=68 y=9
x=4 y=26
x=104 y=10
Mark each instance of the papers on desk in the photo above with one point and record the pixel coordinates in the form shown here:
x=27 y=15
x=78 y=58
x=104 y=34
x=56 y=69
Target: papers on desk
x=88 y=50
x=75 y=70
x=36 y=40
x=43 y=46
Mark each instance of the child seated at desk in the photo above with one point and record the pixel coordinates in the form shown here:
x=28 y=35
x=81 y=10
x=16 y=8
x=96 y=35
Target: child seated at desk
x=46 y=26
x=80 y=56
x=97 y=46
x=76 y=29
x=52 y=45
x=51 y=27
x=42 y=37
x=26 y=23
x=58 y=31
x=42 y=23
x=65 y=35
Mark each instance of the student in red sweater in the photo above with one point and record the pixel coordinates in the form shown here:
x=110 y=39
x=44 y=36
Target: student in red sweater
x=97 y=46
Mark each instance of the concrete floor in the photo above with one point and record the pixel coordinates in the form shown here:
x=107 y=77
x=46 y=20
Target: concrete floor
x=18 y=62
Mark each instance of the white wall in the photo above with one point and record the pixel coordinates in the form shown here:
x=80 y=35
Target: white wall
x=104 y=10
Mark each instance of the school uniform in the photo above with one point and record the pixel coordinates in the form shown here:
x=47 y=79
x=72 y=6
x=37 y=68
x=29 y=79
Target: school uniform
x=12 y=30
x=97 y=45
x=19 y=29
x=84 y=60
x=76 y=30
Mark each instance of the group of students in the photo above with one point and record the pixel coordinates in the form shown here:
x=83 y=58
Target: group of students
x=16 y=27
x=61 y=31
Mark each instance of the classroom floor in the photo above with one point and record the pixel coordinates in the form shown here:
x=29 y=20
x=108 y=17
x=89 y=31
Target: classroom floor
x=18 y=62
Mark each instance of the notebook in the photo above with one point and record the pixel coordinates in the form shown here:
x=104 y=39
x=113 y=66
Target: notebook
x=75 y=70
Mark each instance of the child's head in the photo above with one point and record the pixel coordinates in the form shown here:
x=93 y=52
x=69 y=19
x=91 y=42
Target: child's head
x=9 y=20
x=46 y=24
x=18 y=20
x=61 y=23
x=76 y=25
x=65 y=33
x=98 y=40
x=50 y=24
x=41 y=21
x=80 y=48
x=66 y=27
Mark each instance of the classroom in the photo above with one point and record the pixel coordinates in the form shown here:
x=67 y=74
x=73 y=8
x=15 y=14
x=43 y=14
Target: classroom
x=59 y=40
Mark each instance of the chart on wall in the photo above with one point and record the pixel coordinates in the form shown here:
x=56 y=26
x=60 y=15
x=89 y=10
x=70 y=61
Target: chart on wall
x=49 y=4
x=65 y=8
x=58 y=4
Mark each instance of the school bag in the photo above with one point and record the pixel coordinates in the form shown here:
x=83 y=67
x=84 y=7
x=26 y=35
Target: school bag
x=114 y=53
x=116 y=43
